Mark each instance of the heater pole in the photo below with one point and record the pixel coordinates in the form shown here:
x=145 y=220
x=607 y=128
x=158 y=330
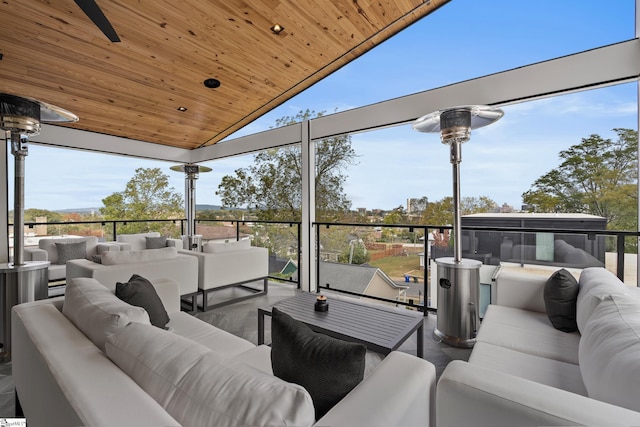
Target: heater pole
x=19 y=149
x=191 y=175
x=456 y=158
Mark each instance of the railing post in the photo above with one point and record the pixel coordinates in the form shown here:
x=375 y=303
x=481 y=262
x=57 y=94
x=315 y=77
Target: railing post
x=425 y=287
x=237 y=231
x=317 y=251
x=620 y=249
x=113 y=226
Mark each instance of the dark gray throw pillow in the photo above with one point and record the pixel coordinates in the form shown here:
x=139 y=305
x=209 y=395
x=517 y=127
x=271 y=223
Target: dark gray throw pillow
x=328 y=368
x=140 y=292
x=560 y=296
x=74 y=250
x=156 y=242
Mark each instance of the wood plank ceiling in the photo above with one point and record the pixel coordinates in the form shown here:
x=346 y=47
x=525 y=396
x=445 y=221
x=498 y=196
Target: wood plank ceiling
x=51 y=51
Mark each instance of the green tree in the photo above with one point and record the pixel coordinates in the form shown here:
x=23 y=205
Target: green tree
x=30 y=215
x=146 y=196
x=396 y=216
x=441 y=212
x=597 y=176
x=272 y=185
x=354 y=253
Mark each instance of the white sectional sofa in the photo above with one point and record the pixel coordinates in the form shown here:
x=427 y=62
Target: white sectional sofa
x=48 y=250
x=524 y=372
x=130 y=373
x=231 y=264
x=119 y=266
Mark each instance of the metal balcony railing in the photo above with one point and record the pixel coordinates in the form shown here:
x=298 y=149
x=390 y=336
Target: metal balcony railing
x=394 y=258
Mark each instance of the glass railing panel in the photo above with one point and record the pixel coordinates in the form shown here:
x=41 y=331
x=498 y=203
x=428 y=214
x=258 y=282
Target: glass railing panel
x=382 y=264
x=627 y=259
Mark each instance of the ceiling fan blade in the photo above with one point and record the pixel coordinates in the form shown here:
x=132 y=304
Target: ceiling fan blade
x=93 y=11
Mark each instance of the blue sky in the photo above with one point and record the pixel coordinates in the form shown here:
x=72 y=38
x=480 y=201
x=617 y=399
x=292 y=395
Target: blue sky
x=462 y=40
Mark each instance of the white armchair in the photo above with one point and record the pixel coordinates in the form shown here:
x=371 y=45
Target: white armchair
x=223 y=265
x=142 y=241
x=49 y=250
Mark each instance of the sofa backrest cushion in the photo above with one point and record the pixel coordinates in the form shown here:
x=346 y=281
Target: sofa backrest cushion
x=609 y=349
x=216 y=248
x=50 y=246
x=133 y=257
x=96 y=311
x=137 y=241
x=595 y=284
x=198 y=388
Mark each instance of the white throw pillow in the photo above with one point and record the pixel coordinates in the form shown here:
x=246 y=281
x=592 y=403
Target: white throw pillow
x=96 y=311
x=609 y=349
x=114 y=258
x=595 y=284
x=197 y=388
x=217 y=248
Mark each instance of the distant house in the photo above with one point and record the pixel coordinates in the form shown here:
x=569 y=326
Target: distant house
x=360 y=279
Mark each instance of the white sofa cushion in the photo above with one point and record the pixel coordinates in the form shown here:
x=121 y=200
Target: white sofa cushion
x=217 y=248
x=137 y=241
x=554 y=373
x=595 y=285
x=528 y=332
x=96 y=311
x=609 y=351
x=223 y=342
x=113 y=258
x=197 y=388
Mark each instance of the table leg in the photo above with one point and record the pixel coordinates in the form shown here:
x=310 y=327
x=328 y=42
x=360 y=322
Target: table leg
x=420 y=332
x=260 y=327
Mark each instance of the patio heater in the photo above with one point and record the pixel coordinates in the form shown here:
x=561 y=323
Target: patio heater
x=191 y=240
x=458 y=279
x=22 y=281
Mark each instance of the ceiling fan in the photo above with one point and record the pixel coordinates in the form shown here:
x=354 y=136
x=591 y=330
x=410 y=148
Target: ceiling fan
x=93 y=11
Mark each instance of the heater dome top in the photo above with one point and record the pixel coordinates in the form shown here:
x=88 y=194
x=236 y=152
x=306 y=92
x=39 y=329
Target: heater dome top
x=480 y=115
x=23 y=115
x=190 y=168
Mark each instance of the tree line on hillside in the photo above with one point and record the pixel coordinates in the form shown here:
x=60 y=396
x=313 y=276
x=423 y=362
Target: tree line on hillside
x=597 y=176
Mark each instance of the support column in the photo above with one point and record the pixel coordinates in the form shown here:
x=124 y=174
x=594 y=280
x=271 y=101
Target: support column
x=307 y=262
x=4 y=203
x=638 y=154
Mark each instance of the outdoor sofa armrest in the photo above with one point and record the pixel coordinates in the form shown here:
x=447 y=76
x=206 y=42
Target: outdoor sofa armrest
x=81 y=268
x=106 y=247
x=472 y=395
x=169 y=292
x=400 y=391
x=35 y=254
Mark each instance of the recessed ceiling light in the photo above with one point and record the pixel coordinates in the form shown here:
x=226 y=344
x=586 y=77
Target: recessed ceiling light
x=277 y=29
x=182 y=109
x=211 y=83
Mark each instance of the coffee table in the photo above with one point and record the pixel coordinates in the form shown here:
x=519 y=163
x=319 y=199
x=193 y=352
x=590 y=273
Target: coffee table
x=382 y=329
